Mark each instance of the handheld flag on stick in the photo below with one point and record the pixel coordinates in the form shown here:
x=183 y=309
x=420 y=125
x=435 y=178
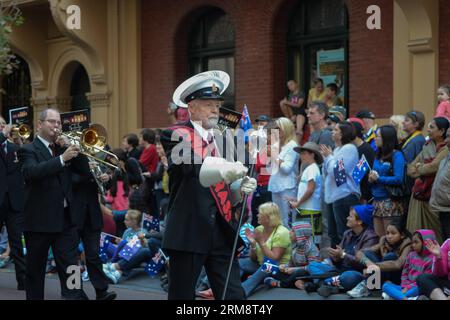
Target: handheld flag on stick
x=270 y=266
x=156 y=263
x=245 y=123
x=149 y=222
x=360 y=170
x=130 y=249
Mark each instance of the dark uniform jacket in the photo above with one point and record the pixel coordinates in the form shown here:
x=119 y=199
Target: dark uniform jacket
x=85 y=197
x=47 y=184
x=11 y=180
x=192 y=210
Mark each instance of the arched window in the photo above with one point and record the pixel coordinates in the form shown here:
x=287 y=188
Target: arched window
x=79 y=86
x=211 y=47
x=318 y=44
x=16 y=88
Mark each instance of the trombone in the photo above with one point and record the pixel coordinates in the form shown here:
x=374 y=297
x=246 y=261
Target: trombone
x=92 y=142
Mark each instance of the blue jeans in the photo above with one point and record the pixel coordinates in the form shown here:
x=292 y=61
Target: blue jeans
x=395 y=291
x=393 y=276
x=286 y=211
x=248 y=266
x=154 y=244
x=337 y=219
x=349 y=279
x=143 y=255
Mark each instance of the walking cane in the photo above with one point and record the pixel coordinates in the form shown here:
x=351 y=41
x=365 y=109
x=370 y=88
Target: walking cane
x=236 y=238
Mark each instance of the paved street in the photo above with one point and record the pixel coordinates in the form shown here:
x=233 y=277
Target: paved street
x=139 y=287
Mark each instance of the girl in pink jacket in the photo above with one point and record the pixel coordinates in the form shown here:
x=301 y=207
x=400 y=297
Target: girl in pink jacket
x=418 y=262
x=443 y=109
x=436 y=286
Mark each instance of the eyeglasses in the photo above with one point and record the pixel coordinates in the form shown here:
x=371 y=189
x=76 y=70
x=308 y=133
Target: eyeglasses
x=52 y=121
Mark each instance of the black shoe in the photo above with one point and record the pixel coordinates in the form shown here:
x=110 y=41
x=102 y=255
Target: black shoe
x=311 y=287
x=106 y=295
x=21 y=286
x=326 y=290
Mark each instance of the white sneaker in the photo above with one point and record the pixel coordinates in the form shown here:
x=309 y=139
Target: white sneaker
x=85 y=276
x=114 y=276
x=385 y=296
x=413 y=298
x=359 y=291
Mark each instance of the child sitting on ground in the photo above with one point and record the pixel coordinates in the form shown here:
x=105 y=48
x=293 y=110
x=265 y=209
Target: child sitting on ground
x=303 y=252
x=419 y=261
x=120 y=266
x=389 y=256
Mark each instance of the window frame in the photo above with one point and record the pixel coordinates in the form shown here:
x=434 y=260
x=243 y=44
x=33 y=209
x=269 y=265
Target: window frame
x=304 y=42
x=201 y=55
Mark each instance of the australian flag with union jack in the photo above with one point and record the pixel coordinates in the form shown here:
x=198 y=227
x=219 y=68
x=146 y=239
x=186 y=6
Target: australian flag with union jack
x=340 y=176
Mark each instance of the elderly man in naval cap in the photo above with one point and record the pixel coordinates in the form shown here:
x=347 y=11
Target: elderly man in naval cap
x=204 y=188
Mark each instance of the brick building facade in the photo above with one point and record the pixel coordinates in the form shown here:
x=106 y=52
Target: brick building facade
x=261 y=60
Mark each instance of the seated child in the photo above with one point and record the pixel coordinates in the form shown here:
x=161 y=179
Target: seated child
x=303 y=252
x=419 y=261
x=115 y=270
x=389 y=256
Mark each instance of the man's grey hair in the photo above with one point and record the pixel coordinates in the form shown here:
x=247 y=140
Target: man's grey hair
x=321 y=107
x=43 y=114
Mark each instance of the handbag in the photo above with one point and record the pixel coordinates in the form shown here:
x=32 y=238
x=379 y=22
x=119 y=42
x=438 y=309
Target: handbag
x=396 y=192
x=422 y=188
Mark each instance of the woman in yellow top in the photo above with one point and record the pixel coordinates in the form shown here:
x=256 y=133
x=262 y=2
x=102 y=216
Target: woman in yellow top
x=271 y=240
x=317 y=93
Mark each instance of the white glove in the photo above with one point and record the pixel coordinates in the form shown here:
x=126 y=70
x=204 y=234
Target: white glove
x=232 y=171
x=248 y=185
x=215 y=170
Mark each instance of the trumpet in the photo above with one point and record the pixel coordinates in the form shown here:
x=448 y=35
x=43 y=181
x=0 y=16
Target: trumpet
x=92 y=142
x=22 y=131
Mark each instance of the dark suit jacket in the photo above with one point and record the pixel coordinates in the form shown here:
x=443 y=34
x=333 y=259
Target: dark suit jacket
x=192 y=210
x=47 y=184
x=11 y=180
x=85 y=197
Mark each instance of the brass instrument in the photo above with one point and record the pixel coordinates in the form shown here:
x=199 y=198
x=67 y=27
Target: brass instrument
x=92 y=142
x=22 y=131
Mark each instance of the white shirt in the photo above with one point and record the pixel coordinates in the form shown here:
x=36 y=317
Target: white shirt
x=312 y=172
x=205 y=133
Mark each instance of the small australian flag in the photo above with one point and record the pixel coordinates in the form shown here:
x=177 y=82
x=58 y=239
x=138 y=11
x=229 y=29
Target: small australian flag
x=360 y=170
x=156 y=264
x=270 y=266
x=340 y=175
x=130 y=249
x=150 y=223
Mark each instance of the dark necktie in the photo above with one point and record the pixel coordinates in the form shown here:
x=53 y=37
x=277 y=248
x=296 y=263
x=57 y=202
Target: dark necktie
x=52 y=147
x=211 y=144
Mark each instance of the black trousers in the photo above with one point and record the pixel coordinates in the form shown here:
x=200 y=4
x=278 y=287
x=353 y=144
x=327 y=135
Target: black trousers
x=14 y=221
x=64 y=245
x=428 y=282
x=91 y=244
x=444 y=217
x=262 y=195
x=185 y=268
